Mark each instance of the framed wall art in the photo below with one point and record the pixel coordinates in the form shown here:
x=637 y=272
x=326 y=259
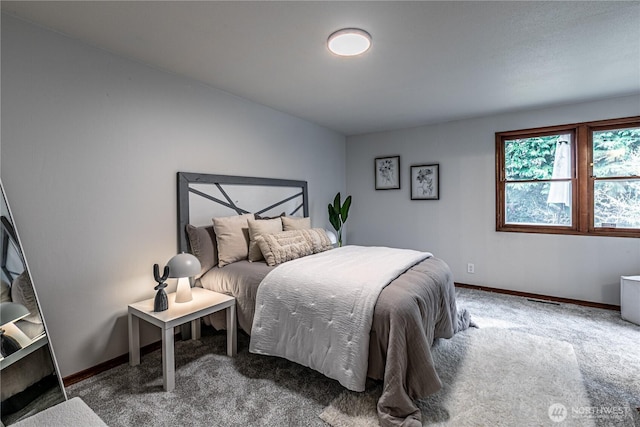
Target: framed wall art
x=425 y=182
x=387 y=172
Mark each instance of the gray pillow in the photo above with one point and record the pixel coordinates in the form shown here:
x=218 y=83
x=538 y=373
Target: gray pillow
x=202 y=241
x=5 y=292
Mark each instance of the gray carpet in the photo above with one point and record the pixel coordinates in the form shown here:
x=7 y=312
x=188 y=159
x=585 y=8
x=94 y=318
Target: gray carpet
x=607 y=348
x=214 y=390
x=492 y=376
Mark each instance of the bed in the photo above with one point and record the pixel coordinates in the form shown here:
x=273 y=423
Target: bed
x=410 y=309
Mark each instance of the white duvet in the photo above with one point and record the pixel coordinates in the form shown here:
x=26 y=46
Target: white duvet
x=317 y=310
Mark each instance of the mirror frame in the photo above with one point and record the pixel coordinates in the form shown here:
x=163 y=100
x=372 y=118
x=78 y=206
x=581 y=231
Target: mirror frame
x=10 y=226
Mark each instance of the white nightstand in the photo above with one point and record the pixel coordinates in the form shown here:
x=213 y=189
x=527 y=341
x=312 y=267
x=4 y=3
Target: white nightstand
x=204 y=302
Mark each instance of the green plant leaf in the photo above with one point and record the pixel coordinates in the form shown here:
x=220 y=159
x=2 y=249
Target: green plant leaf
x=336 y=203
x=344 y=210
x=334 y=218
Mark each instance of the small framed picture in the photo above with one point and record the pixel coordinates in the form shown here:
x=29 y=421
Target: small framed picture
x=387 y=170
x=425 y=182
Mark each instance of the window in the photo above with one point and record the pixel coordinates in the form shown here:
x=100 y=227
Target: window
x=572 y=179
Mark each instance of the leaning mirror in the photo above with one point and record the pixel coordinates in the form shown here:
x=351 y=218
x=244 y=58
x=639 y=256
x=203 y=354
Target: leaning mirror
x=29 y=376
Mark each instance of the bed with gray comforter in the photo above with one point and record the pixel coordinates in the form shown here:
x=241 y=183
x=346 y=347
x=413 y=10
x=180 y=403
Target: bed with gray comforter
x=410 y=313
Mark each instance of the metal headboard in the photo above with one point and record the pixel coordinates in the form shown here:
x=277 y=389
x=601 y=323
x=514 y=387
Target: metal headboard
x=194 y=186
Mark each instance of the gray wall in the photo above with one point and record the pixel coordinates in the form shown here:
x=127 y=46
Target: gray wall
x=460 y=227
x=91 y=144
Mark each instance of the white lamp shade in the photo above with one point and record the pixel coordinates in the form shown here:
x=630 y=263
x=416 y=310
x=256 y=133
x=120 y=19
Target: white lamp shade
x=11 y=312
x=183 y=265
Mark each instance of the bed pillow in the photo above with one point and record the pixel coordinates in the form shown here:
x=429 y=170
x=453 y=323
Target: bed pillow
x=284 y=246
x=5 y=292
x=295 y=223
x=232 y=237
x=22 y=293
x=257 y=228
x=202 y=241
x=318 y=239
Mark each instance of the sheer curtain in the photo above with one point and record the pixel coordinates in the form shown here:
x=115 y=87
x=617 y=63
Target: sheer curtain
x=560 y=191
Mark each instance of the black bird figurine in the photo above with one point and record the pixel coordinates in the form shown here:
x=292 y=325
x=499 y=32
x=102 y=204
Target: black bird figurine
x=160 y=303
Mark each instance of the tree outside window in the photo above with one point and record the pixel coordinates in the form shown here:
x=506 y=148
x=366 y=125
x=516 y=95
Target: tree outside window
x=616 y=175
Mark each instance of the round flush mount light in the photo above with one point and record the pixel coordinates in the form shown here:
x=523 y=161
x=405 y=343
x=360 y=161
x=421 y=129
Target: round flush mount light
x=349 y=42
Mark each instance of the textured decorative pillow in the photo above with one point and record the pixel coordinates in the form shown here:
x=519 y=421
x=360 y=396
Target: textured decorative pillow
x=284 y=246
x=318 y=239
x=295 y=223
x=22 y=293
x=257 y=228
x=202 y=241
x=232 y=237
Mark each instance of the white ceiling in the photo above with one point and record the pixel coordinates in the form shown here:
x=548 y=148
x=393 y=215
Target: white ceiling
x=430 y=61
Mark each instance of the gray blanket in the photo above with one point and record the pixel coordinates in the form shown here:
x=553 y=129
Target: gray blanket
x=410 y=313
x=414 y=310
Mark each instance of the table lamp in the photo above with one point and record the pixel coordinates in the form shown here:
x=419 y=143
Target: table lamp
x=182 y=267
x=10 y=312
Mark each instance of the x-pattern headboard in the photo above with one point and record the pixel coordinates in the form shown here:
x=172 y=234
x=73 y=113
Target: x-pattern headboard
x=204 y=196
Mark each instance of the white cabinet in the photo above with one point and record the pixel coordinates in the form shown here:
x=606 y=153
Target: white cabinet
x=630 y=298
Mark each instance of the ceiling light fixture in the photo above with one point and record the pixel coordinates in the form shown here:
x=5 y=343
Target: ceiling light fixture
x=349 y=42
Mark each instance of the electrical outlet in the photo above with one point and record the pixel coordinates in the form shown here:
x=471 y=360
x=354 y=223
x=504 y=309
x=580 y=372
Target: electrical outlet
x=471 y=268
